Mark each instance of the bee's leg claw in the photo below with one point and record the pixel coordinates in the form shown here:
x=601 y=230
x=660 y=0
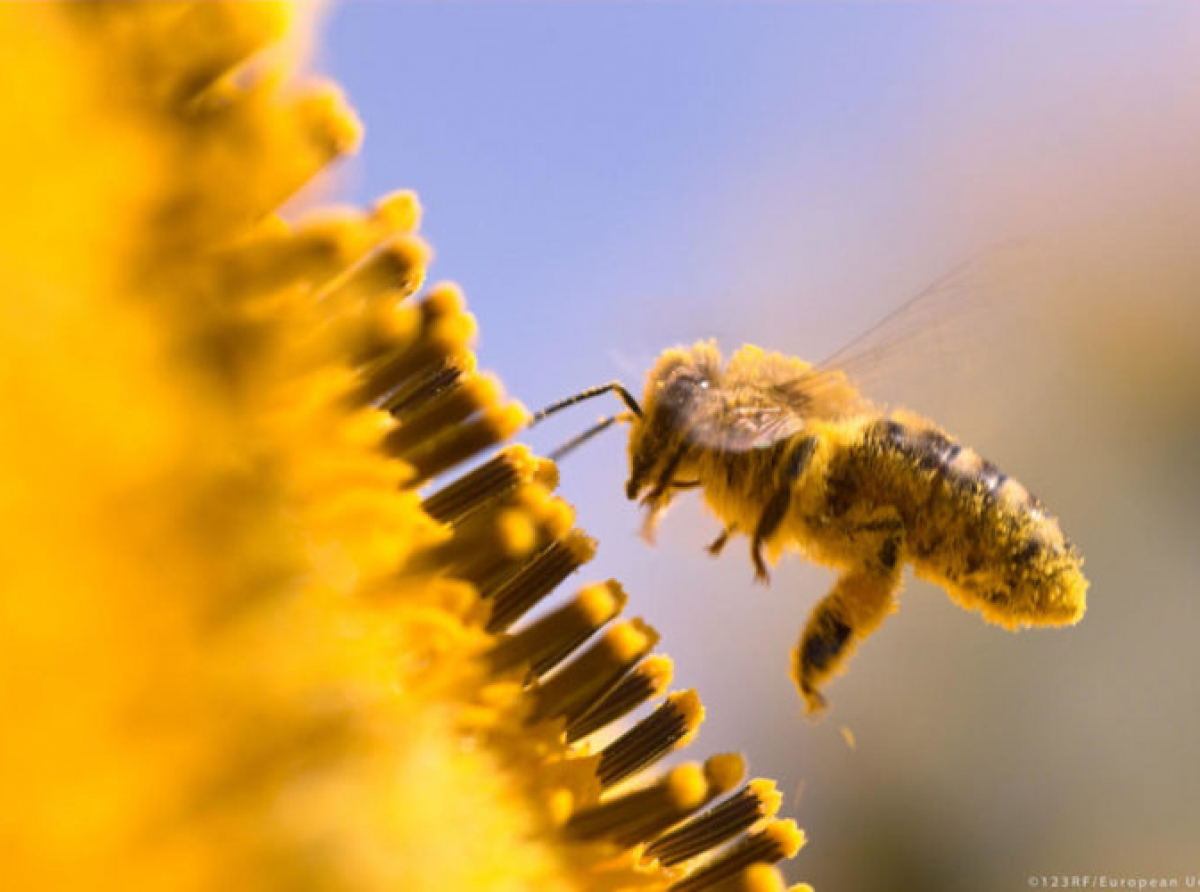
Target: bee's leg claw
x=761 y=574
x=718 y=544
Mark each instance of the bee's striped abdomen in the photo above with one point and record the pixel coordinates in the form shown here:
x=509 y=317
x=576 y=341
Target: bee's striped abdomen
x=970 y=527
x=963 y=470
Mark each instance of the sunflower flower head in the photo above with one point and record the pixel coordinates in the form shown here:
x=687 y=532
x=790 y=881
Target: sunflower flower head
x=262 y=629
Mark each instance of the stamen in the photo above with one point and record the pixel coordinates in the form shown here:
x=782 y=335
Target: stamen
x=385 y=328
x=358 y=261
x=640 y=815
x=208 y=41
x=451 y=406
x=446 y=329
x=481 y=548
x=519 y=592
x=545 y=643
x=493 y=480
x=776 y=841
x=575 y=687
x=757 y=800
x=701 y=787
x=397 y=268
x=552 y=512
x=648 y=680
x=671 y=725
x=410 y=398
x=273 y=257
x=465 y=440
x=488 y=547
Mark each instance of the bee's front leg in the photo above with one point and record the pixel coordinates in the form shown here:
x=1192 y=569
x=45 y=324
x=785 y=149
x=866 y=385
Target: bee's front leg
x=856 y=606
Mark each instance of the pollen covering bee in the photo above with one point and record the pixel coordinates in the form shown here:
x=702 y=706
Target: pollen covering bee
x=792 y=456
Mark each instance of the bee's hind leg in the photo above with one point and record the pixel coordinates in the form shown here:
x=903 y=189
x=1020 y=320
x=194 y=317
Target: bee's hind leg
x=856 y=606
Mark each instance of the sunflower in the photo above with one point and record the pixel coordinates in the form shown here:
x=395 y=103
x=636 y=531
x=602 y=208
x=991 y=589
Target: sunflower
x=262 y=629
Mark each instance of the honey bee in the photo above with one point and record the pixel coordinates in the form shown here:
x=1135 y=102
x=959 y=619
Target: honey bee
x=793 y=457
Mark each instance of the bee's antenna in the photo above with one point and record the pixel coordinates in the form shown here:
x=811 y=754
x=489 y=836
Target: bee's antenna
x=575 y=442
x=612 y=387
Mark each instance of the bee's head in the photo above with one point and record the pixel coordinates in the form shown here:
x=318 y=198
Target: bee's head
x=658 y=441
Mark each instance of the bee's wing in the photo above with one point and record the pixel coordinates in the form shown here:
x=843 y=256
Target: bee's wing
x=961 y=328
x=751 y=422
x=758 y=410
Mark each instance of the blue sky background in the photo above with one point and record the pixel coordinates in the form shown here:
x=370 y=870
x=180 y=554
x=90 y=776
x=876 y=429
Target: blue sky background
x=608 y=179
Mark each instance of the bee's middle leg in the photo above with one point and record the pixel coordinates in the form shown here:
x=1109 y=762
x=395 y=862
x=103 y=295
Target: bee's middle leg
x=777 y=506
x=768 y=522
x=855 y=608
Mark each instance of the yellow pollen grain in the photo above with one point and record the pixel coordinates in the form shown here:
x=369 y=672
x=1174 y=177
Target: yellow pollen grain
x=724 y=772
x=209 y=43
x=686 y=787
x=561 y=804
x=558 y=519
x=546 y=473
x=848 y=736
x=533 y=497
x=516 y=533
x=758 y=878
